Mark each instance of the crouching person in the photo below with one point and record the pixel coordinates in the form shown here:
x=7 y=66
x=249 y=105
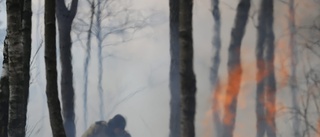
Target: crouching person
x=115 y=127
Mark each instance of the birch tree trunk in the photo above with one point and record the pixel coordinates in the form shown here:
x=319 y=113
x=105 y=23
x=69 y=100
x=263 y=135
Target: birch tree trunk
x=17 y=110
x=234 y=68
x=51 y=70
x=187 y=76
x=216 y=43
x=174 y=84
x=4 y=92
x=65 y=18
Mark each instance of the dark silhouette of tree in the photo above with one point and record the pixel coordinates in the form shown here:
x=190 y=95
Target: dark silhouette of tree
x=214 y=78
x=234 y=68
x=4 y=92
x=26 y=32
x=261 y=71
x=187 y=76
x=174 y=70
x=65 y=18
x=270 y=88
x=51 y=70
x=19 y=49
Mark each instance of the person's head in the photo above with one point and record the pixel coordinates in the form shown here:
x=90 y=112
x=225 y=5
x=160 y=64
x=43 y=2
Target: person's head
x=118 y=123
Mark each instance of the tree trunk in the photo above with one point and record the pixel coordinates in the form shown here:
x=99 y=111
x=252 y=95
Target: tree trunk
x=86 y=65
x=261 y=72
x=4 y=92
x=65 y=18
x=17 y=106
x=187 y=76
x=51 y=71
x=270 y=79
x=294 y=62
x=234 y=68
x=174 y=84
x=100 y=61
x=214 y=78
x=26 y=30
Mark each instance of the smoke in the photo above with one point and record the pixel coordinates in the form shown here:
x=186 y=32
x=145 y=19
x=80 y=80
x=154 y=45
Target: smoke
x=147 y=112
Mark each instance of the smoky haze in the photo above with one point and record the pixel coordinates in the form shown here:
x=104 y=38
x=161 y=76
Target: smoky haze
x=136 y=73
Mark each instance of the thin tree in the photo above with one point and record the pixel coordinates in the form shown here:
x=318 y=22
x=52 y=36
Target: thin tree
x=234 y=68
x=108 y=20
x=270 y=78
x=174 y=84
x=86 y=64
x=26 y=32
x=4 y=92
x=111 y=20
x=17 y=96
x=51 y=70
x=187 y=76
x=65 y=18
x=100 y=58
x=294 y=62
x=261 y=72
x=214 y=78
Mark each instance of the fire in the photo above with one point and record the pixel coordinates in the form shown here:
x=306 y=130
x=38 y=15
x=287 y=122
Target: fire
x=282 y=62
x=249 y=77
x=247 y=72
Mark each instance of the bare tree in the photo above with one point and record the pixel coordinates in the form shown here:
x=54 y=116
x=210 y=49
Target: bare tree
x=17 y=106
x=111 y=18
x=100 y=58
x=187 y=76
x=174 y=84
x=308 y=111
x=294 y=62
x=51 y=70
x=65 y=18
x=261 y=71
x=108 y=11
x=214 y=78
x=86 y=64
x=270 y=78
x=26 y=32
x=234 y=68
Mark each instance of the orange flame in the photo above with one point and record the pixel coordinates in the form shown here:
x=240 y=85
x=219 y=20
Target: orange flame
x=248 y=77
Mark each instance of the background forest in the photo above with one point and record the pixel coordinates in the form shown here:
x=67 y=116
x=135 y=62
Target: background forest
x=256 y=66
